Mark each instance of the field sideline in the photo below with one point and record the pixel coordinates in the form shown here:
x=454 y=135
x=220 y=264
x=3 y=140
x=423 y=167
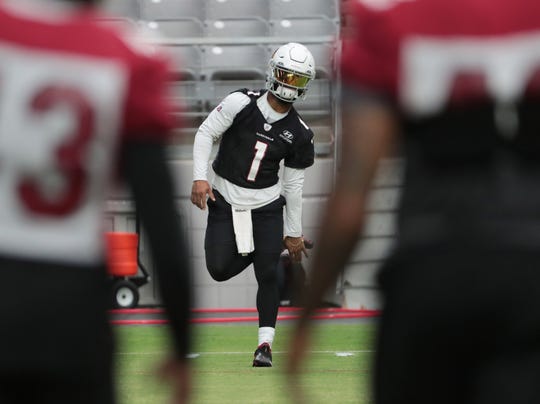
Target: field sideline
x=338 y=370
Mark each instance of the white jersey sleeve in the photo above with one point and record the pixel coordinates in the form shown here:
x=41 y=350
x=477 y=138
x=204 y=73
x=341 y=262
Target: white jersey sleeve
x=211 y=130
x=293 y=183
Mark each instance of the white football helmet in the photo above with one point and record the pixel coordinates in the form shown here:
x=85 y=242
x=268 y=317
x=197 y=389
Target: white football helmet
x=291 y=69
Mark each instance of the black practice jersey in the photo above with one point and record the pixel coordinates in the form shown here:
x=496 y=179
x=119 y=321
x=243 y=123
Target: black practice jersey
x=251 y=149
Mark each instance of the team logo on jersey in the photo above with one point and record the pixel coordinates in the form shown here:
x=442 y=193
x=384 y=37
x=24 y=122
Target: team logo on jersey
x=267 y=127
x=287 y=136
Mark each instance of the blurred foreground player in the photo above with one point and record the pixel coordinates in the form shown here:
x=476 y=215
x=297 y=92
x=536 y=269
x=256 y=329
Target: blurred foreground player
x=76 y=100
x=460 y=81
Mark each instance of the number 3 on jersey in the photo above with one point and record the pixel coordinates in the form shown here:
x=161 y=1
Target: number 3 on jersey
x=68 y=154
x=260 y=151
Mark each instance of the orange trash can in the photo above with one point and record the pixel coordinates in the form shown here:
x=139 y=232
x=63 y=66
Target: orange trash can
x=122 y=251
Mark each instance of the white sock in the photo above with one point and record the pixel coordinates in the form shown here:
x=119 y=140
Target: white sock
x=266 y=334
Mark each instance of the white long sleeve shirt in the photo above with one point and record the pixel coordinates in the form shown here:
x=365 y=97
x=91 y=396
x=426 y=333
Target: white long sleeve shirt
x=291 y=185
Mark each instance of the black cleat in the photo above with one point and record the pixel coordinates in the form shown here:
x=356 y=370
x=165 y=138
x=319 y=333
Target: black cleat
x=263 y=356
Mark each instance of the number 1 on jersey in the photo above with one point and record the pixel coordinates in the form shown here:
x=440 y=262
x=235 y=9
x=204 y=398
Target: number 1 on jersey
x=260 y=151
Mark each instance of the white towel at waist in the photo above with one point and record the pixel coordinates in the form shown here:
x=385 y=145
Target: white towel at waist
x=243 y=230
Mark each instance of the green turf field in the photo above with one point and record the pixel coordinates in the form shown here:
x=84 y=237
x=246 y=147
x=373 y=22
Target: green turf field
x=223 y=372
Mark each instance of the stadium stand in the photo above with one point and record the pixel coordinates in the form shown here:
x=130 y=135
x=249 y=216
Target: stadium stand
x=317 y=97
x=232 y=62
x=187 y=62
x=217 y=9
x=185 y=28
x=227 y=68
x=304 y=27
x=282 y=9
x=237 y=27
x=220 y=45
x=152 y=10
x=323 y=53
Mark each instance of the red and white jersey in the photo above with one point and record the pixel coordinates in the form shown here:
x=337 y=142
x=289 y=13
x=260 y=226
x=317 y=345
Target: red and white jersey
x=428 y=54
x=71 y=92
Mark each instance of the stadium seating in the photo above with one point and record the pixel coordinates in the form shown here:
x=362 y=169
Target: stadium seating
x=221 y=45
x=235 y=62
x=317 y=97
x=304 y=27
x=186 y=28
x=187 y=62
x=238 y=27
x=282 y=9
x=218 y=9
x=227 y=68
x=323 y=55
x=152 y=10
